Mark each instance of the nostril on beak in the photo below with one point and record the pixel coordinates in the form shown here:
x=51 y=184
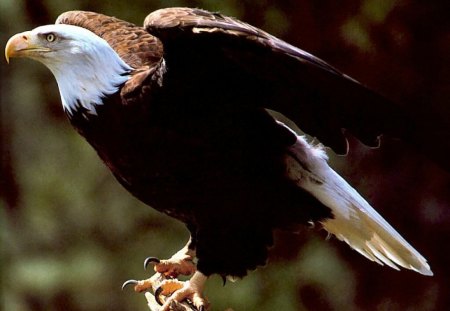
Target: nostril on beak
x=25 y=38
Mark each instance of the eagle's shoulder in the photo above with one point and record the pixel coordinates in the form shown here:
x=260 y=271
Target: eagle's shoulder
x=133 y=43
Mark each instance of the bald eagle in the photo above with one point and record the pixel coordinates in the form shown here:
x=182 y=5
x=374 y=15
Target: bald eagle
x=179 y=112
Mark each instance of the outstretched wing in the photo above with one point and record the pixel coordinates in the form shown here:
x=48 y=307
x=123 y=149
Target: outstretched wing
x=317 y=97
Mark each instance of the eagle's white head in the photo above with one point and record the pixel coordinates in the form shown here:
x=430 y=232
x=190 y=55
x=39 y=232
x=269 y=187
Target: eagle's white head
x=86 y=68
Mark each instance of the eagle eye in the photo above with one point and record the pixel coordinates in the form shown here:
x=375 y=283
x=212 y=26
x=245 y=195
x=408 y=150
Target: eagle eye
x=50 y=37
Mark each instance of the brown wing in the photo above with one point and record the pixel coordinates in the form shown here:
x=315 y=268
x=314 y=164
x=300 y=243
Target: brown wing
x=133 y=44
x=318 y=98
x=165 y=22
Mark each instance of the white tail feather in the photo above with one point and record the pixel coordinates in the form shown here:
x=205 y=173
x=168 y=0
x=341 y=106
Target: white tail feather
x=355 y=221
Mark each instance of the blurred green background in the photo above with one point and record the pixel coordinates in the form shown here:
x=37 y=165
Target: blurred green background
x=70 y=235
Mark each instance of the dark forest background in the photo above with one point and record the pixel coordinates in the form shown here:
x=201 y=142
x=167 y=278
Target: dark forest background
x=70 y=235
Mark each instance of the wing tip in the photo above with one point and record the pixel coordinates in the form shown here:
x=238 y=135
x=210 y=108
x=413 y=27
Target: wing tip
x=424 y=270
x=378 y=251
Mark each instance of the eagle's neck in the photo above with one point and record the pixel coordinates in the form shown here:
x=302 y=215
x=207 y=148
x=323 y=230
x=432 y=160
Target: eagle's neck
x=88 y=77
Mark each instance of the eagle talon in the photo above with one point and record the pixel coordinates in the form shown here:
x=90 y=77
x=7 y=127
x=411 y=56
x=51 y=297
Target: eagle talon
x=189 y=291
x=157 y=295
x=143 y=285
x=129 y=282
x=178 y=264
x=149 y=260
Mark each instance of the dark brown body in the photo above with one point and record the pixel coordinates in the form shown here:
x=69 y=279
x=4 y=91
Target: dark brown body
x=188 y=133
x=218 y=170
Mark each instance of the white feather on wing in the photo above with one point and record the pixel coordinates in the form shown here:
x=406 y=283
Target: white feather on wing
x=355 y=221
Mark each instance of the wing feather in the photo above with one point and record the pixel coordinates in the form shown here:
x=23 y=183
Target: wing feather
x=354 y=221
x=316 y=96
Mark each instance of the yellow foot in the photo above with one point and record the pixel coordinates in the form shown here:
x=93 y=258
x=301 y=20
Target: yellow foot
x=170 y=292
x=173 y=291
x=180 y=263
x=145 y=285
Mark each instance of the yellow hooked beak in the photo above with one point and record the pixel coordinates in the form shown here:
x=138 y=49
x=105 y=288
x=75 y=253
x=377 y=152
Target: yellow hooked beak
x=24 y=44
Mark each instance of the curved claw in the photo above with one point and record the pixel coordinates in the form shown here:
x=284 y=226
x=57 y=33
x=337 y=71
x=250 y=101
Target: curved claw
x=166 y=289
x=158 y=295
x=149 y=260
x=129 y=282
